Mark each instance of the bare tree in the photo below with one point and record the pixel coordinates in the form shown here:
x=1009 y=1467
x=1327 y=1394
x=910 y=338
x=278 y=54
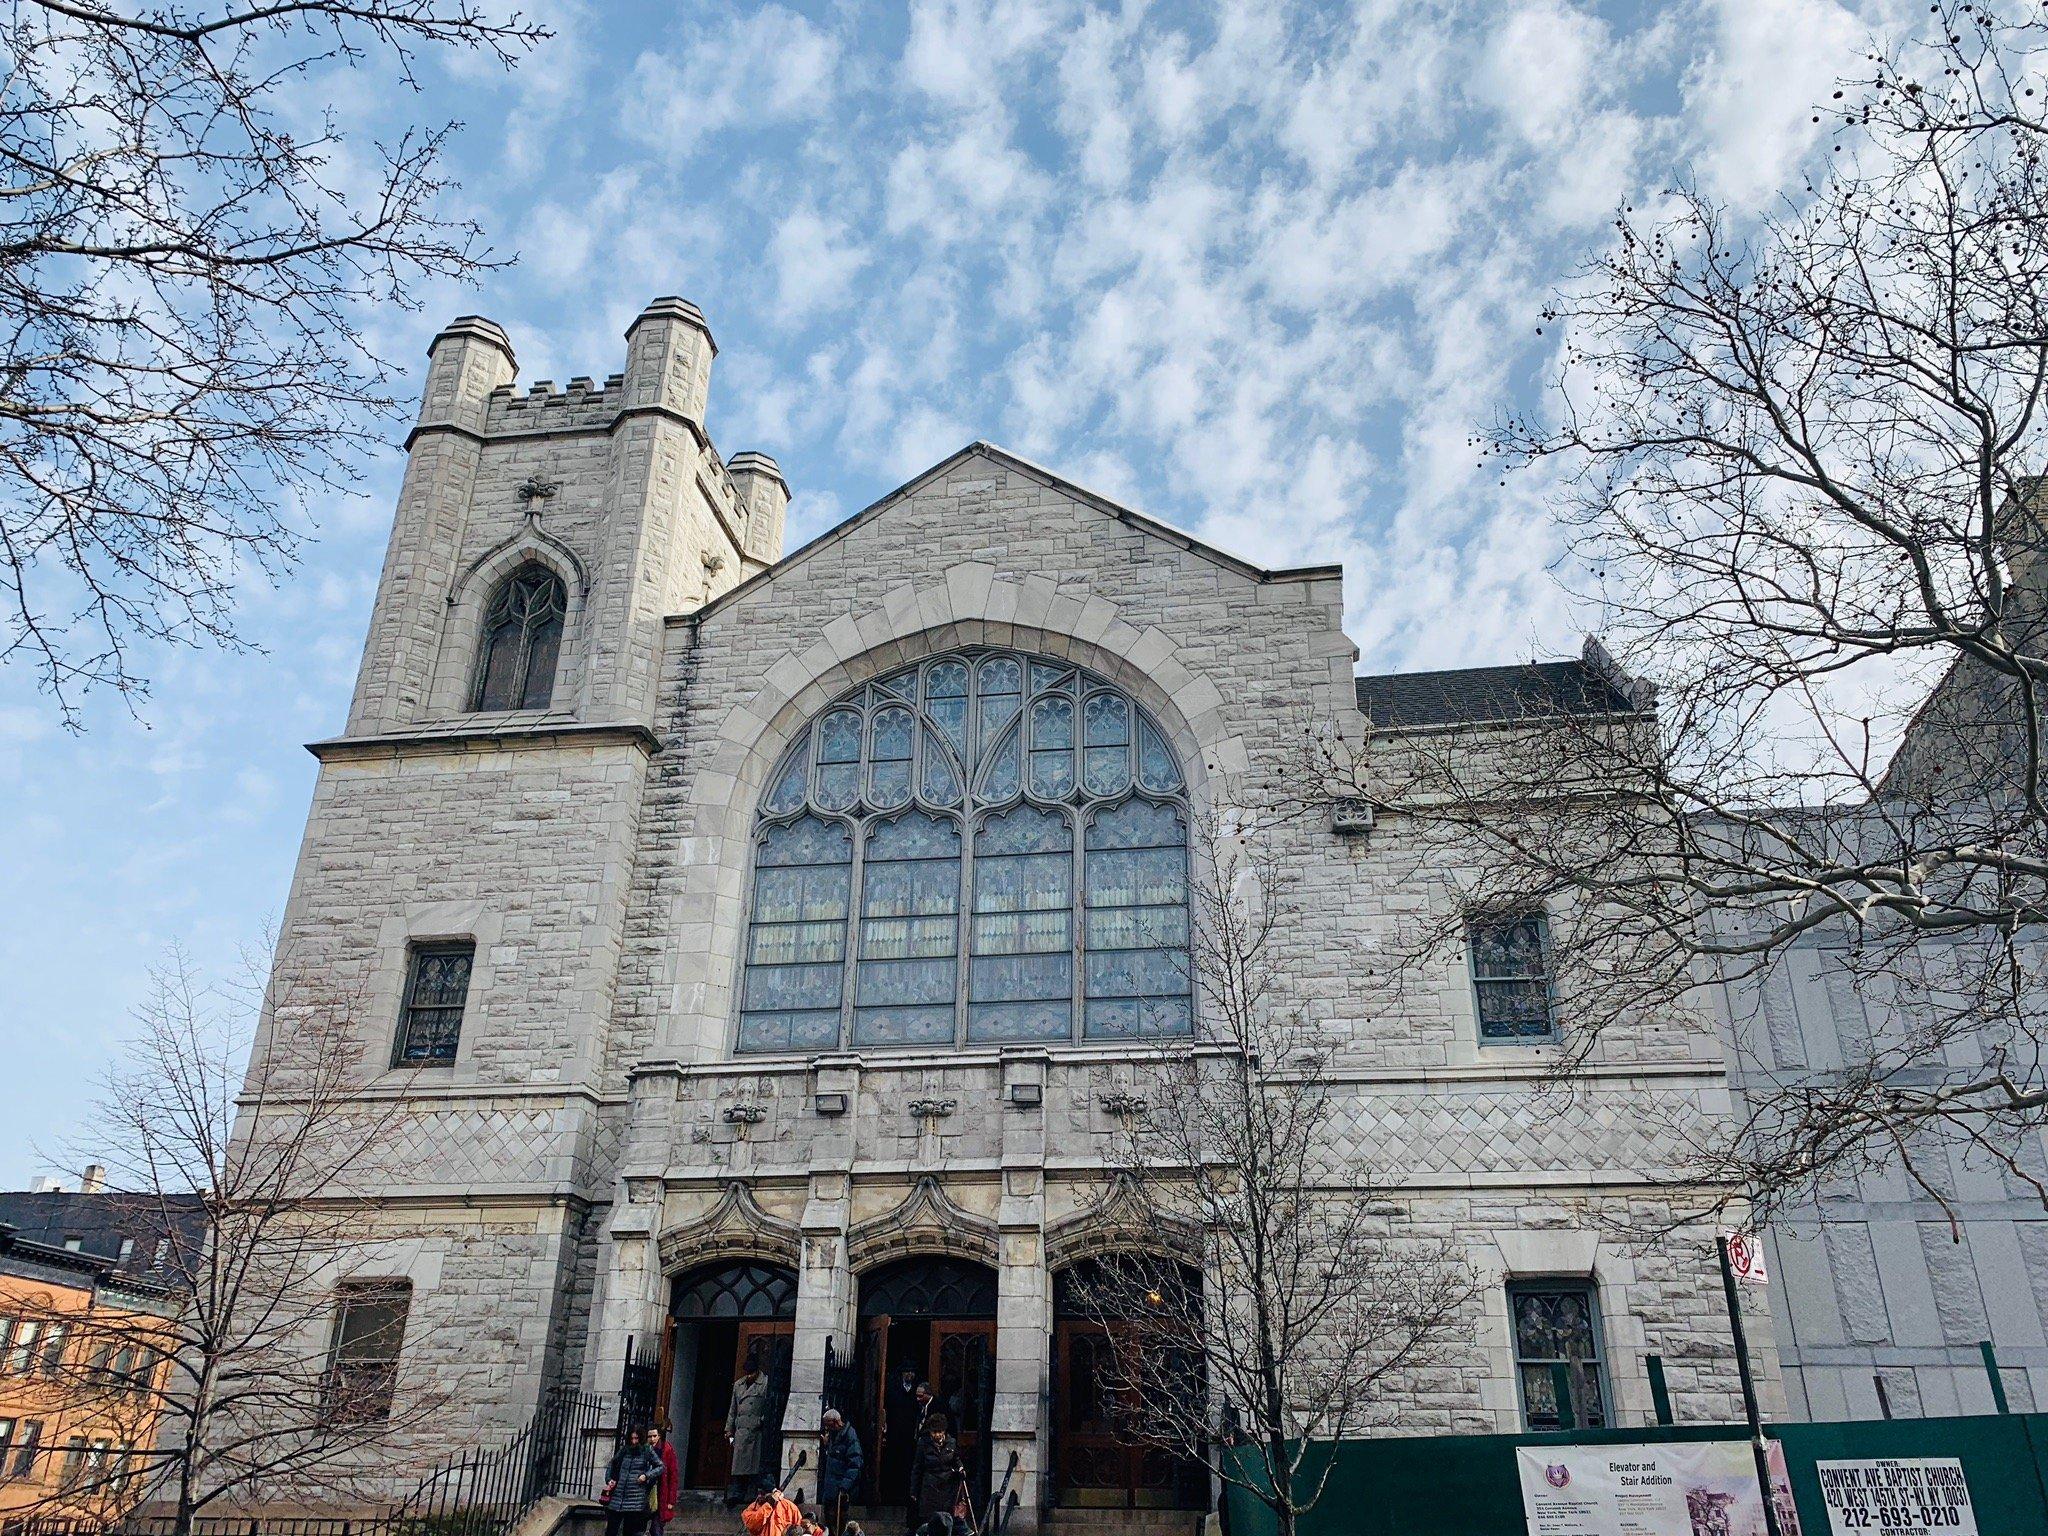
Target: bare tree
x=1269 y=1292
x=1799 y=459
x=187 y=260
x=271 y=1373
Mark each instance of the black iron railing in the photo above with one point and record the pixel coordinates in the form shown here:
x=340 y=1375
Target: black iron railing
x=561 y=1453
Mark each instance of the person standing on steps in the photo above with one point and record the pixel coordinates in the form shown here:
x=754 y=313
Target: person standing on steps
x=671 y=1481
x=839 y=1464
x=899 y=1438
x=632 y=1484
x=747 y=1429
x=936 y=1477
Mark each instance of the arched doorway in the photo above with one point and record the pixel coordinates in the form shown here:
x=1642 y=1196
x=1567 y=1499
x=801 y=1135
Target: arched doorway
x=927 y=1319
x=1110 y=1372
x=720 y=1314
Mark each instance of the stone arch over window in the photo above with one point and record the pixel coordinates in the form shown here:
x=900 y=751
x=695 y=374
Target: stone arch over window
x=520 y=643
x=986 y=847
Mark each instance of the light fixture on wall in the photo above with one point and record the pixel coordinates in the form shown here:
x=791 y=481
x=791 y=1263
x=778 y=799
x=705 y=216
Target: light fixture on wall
x=1027 y=1095
x=832 y=1103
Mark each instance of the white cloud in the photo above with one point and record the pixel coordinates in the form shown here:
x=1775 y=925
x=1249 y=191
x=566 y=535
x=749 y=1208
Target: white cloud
x=1544 y=66
x=770 y=65
x=1750 y=98
x=815 y=259
x=958 y=51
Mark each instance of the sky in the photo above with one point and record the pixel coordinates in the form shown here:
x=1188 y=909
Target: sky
x=1258 y=269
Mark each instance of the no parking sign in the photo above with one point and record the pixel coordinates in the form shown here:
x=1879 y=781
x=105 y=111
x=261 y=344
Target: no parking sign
x=1745 y=1256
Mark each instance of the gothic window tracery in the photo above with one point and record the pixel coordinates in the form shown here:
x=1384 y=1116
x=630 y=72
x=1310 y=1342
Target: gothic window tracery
x=986 y=847
x=521 y=641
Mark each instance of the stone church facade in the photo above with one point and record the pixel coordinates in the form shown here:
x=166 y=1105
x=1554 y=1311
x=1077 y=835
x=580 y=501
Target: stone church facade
x=759 y=949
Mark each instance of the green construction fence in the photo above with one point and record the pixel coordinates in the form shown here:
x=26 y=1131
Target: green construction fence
x=1467 y=1485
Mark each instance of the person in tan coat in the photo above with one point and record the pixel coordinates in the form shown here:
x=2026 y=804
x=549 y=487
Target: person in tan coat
x=747 y=1430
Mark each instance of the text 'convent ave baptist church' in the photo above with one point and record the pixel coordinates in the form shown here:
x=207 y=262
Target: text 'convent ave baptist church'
x=761 y=946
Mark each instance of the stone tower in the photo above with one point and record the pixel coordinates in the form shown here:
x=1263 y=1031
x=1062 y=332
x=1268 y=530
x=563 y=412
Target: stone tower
x=616 y=488
x=502 y=841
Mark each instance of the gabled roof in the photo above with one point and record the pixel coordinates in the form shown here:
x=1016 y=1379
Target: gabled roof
x=1005 y=459
x=1478 y=695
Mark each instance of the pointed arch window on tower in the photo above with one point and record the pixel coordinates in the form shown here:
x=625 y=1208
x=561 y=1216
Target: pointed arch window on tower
x=986 y=847
x=521 y=642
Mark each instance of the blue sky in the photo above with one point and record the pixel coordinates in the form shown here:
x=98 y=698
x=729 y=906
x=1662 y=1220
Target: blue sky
x=1259 y=269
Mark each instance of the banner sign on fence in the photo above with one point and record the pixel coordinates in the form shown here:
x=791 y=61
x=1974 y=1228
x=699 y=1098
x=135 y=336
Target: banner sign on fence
x=1877 y=1498
x=1691 y=1488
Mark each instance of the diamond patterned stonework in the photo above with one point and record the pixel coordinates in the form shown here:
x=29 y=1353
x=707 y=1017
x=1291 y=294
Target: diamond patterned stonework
x=597 y=1134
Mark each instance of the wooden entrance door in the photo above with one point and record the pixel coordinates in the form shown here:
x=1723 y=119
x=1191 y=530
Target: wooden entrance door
x=1095 y=1411
x=963 y=1358
x=717 y=1368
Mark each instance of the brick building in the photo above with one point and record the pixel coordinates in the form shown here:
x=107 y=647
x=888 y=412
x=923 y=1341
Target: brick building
x=755 y=939
x=84 y=1274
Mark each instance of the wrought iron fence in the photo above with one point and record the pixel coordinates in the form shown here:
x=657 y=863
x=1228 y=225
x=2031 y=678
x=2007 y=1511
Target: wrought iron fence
x=561 y=1453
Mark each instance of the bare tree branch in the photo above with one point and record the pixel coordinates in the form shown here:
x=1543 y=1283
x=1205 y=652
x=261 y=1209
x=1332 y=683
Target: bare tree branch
x=184 y=280
x=1259 y=1260
x=236 y=1378
x=1800 y=462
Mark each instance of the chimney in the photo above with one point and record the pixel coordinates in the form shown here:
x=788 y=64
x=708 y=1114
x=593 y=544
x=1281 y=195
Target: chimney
x=94 y=1180
x=46 y=1184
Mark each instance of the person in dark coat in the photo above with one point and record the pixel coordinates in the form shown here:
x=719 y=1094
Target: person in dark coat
x=839 y=1464
x=935 y=1476
x=632 y=1486
x=899 y=1437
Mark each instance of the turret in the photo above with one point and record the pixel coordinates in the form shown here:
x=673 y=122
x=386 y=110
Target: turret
x=764 y=495
x=668 y=359
x=468 y=360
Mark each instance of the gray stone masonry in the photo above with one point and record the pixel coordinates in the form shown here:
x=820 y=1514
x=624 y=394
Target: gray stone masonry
x=576 y=1157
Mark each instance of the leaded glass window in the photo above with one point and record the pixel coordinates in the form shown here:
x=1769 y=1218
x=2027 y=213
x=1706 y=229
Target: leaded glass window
x=796 y=947
x=736 y=1290
x=436 y=991
x=522 y=640
x=987 y=846
x=1511 y=975
x=1557 y=1324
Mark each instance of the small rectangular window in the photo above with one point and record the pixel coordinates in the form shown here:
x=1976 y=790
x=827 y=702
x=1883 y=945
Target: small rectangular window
x=76 y=1455
x=362 y=1370
x=1511 y=975
x=50 y=1359
x=28 y=1442
x=436 y=988
x=20 y=1351
x=1556 y=1322
x=6 y=1444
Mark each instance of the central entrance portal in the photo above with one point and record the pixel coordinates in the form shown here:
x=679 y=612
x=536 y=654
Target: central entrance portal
x=929 y=1320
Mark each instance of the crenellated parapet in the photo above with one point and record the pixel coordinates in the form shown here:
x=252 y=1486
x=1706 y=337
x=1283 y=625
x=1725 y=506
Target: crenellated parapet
x=614 y=487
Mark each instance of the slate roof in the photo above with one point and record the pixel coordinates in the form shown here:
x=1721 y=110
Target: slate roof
x=100 y=1221
x=1474 y=695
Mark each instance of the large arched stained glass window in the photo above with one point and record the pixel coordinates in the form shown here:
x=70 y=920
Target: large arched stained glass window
x=986 y=847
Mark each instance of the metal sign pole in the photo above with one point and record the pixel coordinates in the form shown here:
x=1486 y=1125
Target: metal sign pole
x=1757 y=1445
